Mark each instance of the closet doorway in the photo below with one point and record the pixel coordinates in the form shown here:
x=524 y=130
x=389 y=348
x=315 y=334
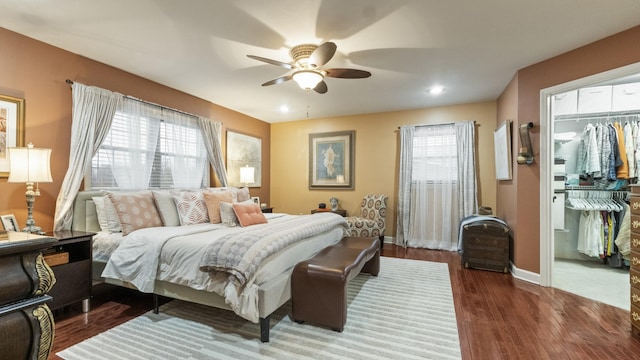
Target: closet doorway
x=568 y=261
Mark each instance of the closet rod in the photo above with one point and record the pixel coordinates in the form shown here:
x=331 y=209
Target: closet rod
x=70 y=82
x=591 y=116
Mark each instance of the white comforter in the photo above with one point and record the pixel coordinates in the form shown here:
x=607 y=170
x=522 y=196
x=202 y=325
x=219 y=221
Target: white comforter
x=172 y=254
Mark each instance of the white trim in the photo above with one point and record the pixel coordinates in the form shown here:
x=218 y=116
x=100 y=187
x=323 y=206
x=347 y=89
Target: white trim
x=525 y=275
x=546 y=161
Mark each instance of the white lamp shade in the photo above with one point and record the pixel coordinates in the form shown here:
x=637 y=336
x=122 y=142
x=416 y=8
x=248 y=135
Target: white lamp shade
x=29 y=164
x=247 y=175
x=307 y=79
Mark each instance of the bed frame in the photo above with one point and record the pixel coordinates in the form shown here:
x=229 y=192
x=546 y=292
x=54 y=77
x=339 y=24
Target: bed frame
x=271 y=295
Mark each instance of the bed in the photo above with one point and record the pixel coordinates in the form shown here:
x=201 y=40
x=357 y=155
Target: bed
x=255 y=298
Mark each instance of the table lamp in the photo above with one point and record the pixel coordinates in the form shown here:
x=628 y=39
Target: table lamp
x=30 y=165
x=247 y=174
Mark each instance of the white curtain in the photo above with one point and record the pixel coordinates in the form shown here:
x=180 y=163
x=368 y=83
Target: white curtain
x=92 y=113
x=182 y=137
x=437 y=184
x=136 y=129
x=404 y=185
x=212 y=130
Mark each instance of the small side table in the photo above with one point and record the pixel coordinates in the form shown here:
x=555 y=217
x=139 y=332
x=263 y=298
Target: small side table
x=266 y=210
x=73 y=276
x=342 y=213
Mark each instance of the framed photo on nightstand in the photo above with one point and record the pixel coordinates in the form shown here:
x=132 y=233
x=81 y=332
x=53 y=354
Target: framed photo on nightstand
x=9 y=222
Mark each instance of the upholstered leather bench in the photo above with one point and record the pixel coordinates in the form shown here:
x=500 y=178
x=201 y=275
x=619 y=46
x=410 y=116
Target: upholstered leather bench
x=319 y=284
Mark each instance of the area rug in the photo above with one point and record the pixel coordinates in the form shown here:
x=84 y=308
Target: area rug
x=407 y=312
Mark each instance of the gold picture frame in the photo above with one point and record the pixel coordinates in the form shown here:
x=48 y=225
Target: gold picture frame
x=331 y=160
x=11 y=129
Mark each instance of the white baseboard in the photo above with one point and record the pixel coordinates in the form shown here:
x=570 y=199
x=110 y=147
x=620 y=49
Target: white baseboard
x=525 y=275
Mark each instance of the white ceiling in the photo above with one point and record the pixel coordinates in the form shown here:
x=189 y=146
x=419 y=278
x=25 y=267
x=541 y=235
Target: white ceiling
x=471 y=47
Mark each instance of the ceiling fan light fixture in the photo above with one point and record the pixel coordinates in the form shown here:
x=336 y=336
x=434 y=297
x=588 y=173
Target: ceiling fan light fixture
x=307 y=79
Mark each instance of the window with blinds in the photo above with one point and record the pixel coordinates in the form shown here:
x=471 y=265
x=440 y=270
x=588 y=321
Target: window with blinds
x=144 y=152
x=435 y=155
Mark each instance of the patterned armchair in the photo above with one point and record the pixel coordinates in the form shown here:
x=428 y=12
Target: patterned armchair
x=370 y=223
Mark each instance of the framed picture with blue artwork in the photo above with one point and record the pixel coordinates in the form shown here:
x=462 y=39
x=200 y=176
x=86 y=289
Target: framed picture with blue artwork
x=331 y=160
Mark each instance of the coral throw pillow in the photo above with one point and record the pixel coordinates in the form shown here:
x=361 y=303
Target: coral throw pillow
x=249 y=214
x=213 y=200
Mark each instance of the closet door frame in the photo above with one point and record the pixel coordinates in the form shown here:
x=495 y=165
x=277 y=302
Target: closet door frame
x=547 y=234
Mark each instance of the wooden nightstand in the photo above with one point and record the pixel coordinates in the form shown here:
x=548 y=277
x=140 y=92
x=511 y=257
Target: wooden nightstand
x=342 y=213
x=267 y=210
x=70 y=259
x=26 y=323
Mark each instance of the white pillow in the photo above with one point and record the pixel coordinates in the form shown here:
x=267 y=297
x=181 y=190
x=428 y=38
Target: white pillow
x=107 y=217
x=166 y=207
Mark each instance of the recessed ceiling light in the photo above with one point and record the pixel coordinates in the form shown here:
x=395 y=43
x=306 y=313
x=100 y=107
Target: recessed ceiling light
x=284 y=109
x=436 y=90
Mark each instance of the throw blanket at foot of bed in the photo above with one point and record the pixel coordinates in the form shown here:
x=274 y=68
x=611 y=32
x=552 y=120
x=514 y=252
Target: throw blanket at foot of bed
x=240 y=254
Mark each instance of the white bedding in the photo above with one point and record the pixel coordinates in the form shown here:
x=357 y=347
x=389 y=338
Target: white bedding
x=167 y=254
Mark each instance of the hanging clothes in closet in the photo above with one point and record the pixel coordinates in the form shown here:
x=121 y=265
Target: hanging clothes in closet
x=608 y=152
x=602 y=214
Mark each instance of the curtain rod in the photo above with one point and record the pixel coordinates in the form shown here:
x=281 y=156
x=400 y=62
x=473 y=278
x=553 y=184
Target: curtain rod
x=162 y=107
x=451 y=123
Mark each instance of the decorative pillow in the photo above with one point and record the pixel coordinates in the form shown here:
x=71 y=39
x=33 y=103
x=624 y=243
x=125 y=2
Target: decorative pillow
x=136 y=210
x=227 y=215
x=249 y=214
x=213 y=200
x=191 y=207
x=166 y=207
x=242 y=194
x=107 y=217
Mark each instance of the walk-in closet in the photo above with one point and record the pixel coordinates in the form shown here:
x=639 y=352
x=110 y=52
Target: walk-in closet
x=596 y=157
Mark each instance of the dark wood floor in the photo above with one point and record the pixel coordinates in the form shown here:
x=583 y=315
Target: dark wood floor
x=498 y=316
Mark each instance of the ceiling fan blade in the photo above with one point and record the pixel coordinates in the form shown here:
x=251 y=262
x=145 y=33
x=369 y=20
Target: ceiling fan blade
x=272 y=62
x=347 y=73
x=322 y=54
x=321 y=88
x=278 y=80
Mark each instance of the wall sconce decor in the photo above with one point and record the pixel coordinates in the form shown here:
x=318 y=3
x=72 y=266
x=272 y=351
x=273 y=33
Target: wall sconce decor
x=30 y=165
x=525 y=155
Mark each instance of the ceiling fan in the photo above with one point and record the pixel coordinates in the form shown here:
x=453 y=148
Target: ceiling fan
x=307 y=60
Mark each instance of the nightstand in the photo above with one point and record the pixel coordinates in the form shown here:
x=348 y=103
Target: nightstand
x=70 y=258
x=342 y=213
x=267 y=210
x=26 y=323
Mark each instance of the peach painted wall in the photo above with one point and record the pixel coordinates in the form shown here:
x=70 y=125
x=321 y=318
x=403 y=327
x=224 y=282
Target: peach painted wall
x=609 y=53
x=36 y=72
x=377 y=156
x=507 y=205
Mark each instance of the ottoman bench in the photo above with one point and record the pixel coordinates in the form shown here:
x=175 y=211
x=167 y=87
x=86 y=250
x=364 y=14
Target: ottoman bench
x=319 y=284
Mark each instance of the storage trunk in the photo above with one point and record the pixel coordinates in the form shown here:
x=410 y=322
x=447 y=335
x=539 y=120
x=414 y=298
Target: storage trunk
x=485 y=245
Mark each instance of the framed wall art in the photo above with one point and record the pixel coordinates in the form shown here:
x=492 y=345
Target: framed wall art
x=502 y=150
x=331 y=160
x=242 y=151
x=11 y=129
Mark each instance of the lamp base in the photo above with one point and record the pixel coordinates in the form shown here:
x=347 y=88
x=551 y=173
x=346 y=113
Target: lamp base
x=34 y=230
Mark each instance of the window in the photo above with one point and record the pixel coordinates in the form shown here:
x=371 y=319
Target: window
x=435 y=154
x=150 y=147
